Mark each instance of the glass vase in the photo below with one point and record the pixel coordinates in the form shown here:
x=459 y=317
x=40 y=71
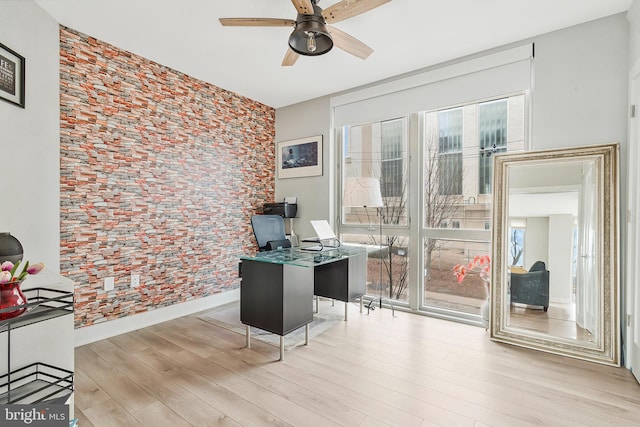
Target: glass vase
x=11 y=296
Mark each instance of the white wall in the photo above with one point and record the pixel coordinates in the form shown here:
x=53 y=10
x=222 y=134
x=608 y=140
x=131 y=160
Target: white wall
x=30 y=137
x=30 y=147
x=315 y=193
x=580 y=89
x=536 y=241
x=633 y=16
x=560 y=255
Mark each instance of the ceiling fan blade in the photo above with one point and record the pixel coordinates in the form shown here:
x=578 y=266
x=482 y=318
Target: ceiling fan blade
x=290 y=58
x=257 y=22
x=303 y=6
x=349 y=43
x=349 y=8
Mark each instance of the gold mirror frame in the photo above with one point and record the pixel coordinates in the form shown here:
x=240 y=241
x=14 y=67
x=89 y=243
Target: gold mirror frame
x=606 y=346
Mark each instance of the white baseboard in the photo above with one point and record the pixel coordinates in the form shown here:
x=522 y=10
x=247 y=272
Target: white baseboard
x=123 y=325
x=560 y=300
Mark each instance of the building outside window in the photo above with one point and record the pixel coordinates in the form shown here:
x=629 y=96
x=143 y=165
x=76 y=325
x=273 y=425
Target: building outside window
x=492 y=124
x=450 y=152
x=392 y=181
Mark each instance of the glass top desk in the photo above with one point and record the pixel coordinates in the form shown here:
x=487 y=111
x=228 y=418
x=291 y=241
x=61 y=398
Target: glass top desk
x=277 y=287
x=307 y=258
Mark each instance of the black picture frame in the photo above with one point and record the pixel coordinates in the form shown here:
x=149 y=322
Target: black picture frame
x=12 y=76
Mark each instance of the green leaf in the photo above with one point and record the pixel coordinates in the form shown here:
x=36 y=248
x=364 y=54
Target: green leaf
x=24 y=273
x=14 y=269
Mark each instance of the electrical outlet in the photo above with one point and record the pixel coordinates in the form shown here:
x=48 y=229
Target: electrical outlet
x=109 y=283
x=135 y=280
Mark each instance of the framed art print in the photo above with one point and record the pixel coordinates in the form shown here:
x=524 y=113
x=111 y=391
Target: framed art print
x=300 y=157
x=11 y=76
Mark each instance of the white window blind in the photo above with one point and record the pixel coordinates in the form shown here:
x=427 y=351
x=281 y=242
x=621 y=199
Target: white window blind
x=499 y=73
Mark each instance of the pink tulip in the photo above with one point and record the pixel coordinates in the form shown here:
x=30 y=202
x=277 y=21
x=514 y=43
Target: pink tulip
x=35 y=268
x=5 y=277
x=7 y=266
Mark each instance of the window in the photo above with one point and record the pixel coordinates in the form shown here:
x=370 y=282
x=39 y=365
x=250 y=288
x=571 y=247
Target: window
x=427 y=149
x=457 y=147
x=454 y=186
x=492 y=128
x=377 y=150
x=516 y=246
x=457 y=193
x=441 y=290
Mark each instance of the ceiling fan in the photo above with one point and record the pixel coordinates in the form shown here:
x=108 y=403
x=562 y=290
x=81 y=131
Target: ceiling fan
x=311 y=35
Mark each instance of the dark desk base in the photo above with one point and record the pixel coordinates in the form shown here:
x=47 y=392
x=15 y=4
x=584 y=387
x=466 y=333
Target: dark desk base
x=278 y=298
x=344 y=280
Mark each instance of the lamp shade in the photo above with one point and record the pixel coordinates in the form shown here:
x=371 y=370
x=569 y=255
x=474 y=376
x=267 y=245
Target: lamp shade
x=362 y=192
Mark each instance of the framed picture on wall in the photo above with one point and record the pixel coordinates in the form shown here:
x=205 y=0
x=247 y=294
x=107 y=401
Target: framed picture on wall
x=11 y=76
x=300 y=157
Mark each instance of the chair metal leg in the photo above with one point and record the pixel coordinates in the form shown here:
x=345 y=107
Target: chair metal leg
x=306 y=334
x=346 y=310
x=248 y=335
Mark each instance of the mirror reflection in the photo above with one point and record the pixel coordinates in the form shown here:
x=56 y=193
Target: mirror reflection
x=551 y=249
x=555 y=267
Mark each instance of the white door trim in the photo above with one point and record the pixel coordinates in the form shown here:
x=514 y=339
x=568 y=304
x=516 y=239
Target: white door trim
x=632 y=319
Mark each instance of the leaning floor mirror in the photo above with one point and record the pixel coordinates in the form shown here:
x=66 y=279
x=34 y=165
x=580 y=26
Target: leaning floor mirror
x=555 y=277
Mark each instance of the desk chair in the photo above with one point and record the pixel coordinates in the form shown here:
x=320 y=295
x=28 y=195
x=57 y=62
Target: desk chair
x=269 y=232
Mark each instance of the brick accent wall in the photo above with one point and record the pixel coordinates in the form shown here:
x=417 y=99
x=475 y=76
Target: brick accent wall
x=160 y=174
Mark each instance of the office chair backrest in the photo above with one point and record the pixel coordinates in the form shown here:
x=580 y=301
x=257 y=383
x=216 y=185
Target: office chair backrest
x=269 y=232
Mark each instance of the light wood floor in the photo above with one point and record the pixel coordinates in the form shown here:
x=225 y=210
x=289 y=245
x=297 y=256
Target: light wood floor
x=558 y=321
x=372 y=370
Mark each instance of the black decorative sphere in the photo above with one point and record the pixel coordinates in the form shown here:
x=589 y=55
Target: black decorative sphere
x=10 y=248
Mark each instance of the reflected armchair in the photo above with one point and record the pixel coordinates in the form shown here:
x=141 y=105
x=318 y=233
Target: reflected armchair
x=531 y=287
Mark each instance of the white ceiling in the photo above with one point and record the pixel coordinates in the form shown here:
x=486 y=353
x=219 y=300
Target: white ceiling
x=406 y=35
x=543 y=204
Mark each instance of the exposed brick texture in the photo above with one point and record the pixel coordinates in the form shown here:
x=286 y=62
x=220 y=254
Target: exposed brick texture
x=160 y=173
